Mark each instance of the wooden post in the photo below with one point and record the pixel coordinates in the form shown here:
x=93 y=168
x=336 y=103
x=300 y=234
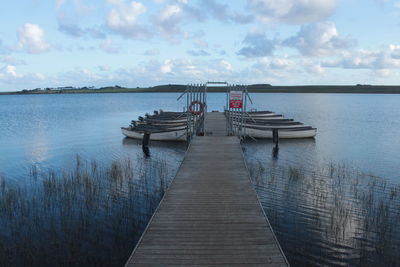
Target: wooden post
x=145 y=144
x=275 y=139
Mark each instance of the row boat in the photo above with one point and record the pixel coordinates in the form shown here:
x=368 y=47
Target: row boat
x=172 y=126
x=271 y=125
x=162 y=126
x=260 y=124
x=165 y=135
x=253 y=113
x=286 y=133
x=271 y=117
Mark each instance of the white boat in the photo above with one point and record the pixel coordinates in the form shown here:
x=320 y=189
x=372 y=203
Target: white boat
x=155 y=122
x=260 y=119
x=257 y=116
x=270 y=125
x=254 y=115
x=300 y=132
x=171 y=134
x=161 y=123
x=167 y=120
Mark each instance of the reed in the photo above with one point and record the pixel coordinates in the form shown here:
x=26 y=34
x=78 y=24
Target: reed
x=88 y=215
x=329 y=215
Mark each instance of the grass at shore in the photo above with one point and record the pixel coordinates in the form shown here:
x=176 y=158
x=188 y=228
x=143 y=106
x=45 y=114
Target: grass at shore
x=87 y=216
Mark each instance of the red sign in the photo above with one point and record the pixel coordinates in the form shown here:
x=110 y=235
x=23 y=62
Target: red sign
x=235 y=99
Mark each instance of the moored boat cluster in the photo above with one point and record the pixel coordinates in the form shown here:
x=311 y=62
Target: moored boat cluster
x=162 y=126
x=260 y=124
x=173 y=126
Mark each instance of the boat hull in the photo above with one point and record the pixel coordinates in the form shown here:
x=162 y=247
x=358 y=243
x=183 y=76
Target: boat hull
x=179 y=135
x=269 y=126
x=283 y=133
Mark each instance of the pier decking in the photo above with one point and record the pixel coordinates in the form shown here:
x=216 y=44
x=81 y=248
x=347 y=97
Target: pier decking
x=210 y=215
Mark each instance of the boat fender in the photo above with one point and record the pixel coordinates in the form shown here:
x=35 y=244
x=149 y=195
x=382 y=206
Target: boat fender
x=196 y=112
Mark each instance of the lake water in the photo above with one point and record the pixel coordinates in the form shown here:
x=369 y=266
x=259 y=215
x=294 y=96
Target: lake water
x=49 y=130
x=357 y=131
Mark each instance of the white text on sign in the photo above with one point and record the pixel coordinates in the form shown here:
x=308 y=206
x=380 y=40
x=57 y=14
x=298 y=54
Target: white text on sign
x=235 y=99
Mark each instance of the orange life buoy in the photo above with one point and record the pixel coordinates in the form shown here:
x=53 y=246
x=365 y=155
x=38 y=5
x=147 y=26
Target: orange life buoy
x=198 y=112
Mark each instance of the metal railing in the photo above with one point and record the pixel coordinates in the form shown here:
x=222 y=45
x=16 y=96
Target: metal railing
x=196 y=107
x=236 y=113
x=236 y=117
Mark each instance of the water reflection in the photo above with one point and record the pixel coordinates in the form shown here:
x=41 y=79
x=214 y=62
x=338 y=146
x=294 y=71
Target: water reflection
x=328 y=214
x=37 y=147
x=171 y=151
x=157 y=144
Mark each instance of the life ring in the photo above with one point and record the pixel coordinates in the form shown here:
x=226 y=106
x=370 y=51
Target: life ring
x=194 y=103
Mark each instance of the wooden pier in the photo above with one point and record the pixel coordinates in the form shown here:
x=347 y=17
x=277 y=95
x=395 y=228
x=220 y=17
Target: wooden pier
x=210 y=215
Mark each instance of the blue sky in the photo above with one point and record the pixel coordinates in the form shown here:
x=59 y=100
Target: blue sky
x=52 y=43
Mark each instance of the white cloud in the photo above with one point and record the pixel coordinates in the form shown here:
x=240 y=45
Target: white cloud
x=59 y=3
x=200 y=43
x=166 y=67
x=104 y=67
x=291 y=11
x=123 y=19
x=282 y=63
x=265 y=71
x=175 y=14
x=12 y=71
x=277 y=63
x=108 y=46
x=70 y=14
x=314 y=68
x=221 y=12
x=225 y=65
x=31 y=39
x=12 y=60
x=384 y=59
x=76 y=31
x=170 y=11
x=125 y=15
x=319 y=39
x=257 y=45
x=40 y=76
x=198 y=53
x=169 y=20
x=178 y=71
x=9 y=72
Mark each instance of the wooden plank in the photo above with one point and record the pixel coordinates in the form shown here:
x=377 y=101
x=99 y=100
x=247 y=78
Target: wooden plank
x=210 y=215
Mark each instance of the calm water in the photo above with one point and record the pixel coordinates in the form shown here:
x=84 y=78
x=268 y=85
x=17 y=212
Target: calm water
x=358 y=131
x=49 y=130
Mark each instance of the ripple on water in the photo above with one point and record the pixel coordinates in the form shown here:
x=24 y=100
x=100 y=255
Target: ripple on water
x=331 y=215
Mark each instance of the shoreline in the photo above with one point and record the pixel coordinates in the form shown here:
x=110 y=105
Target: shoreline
x=254 y=88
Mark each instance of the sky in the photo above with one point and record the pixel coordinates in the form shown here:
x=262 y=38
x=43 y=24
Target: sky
x=54 y=43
